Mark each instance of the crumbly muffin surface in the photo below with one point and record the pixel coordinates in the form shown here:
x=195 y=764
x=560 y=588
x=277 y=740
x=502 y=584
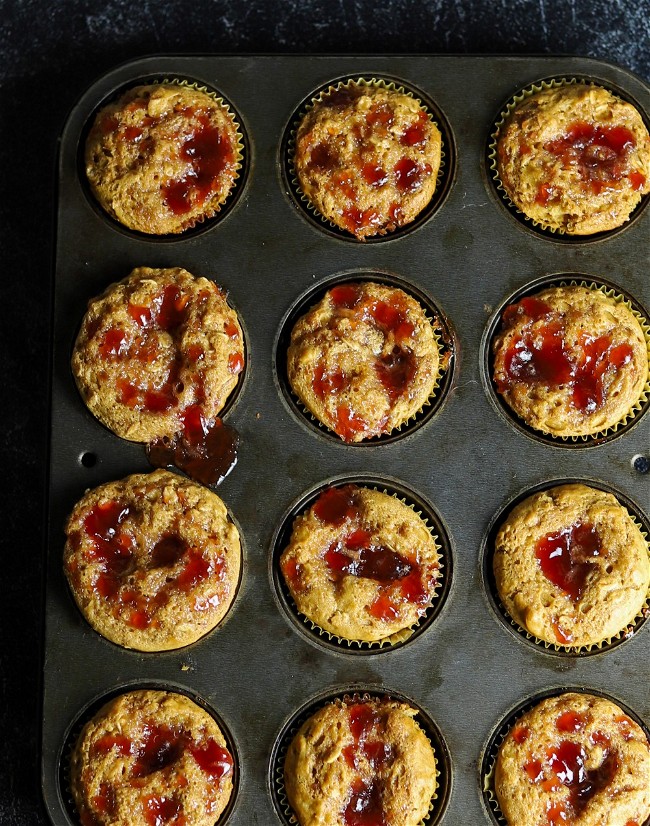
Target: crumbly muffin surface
x=570 y=361
x=575 y=158
x=367 y=157
x=162 y=157
x=363 y=360
x=576 y=759
x=156 y=349
x=361 y=564
x=365 y=759
x=571 y=566
x=151 y=757
x=152 y=560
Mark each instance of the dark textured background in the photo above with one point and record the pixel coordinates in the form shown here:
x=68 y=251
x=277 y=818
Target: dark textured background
x=50 y=53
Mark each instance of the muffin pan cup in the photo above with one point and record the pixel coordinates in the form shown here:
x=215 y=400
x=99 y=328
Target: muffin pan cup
x=466 y=670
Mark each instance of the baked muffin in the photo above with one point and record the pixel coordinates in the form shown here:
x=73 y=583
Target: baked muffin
x=360 y=761
x=361 y=564
x=156 y=358
x=153 y=560
x=574 y=158
x=570 y=361
x=163 y=157
x=571 y=566
x=363 y=360
x=367 y=158
x=151 y=757
x=574 y=759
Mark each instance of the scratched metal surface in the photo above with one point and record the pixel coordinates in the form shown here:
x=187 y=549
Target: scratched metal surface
x=466 y=670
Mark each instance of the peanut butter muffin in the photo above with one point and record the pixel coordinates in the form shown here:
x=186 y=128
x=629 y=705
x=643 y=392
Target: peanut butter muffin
x=357 y=762
x=574 y=158
x=163 y=157
x=571 y=566
x=570 y=361
x=153 y=560
x=361 y=564
x=151 y=757
x=367 y=157
x=363 y=360
x=574 y=759
x=156 y=358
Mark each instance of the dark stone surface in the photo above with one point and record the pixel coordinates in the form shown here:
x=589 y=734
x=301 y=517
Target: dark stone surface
x=50 y=53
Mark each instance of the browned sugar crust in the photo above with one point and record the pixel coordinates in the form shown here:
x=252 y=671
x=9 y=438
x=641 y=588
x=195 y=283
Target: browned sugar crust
x=162 y=157
x=612 y=754
x=363 y=360
x=153 y=345
x=152 y=560
x=151 y=757
x=319 y=562
x=590 y=188
x=325 y=763
x=367 y=157
x=577 y=318
x=616 y=581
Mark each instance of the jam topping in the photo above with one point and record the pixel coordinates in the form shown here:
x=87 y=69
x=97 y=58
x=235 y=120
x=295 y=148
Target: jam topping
x=540 y=355
x=365 y=805
x=336 y=505
x=410 y=175
x=570 y=721
x=599 y=153
x=567 y=557
x=209 y=154
x=369 y=561
x=396 y=371
x=159 y=810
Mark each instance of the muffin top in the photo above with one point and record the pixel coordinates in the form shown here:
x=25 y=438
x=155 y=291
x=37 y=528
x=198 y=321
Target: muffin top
x=570 y=361
x=361 y=564
x=571 y=565
x=162 y=157
x=153 y=560
x=576 y=759
x=155 y=351
x=151 y=757
x=363 y=360
x=360 y=761
x=574 y=158
x=367 y=157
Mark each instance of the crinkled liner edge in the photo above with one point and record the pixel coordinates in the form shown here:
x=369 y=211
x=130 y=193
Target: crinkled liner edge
x=399 y=637
x=391 y=86
x=216 y=206
x=576 y=650
x=636 y=409
x=515 y=100
x=292 y=730
x=413 y=419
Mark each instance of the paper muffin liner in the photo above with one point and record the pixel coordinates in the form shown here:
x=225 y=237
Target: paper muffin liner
x=444 y=343
x=402 y=636
x=492 y=166
x=603 y=645
x=437 y=804
x=635 y=411
x=363 y=83
x=239 y=148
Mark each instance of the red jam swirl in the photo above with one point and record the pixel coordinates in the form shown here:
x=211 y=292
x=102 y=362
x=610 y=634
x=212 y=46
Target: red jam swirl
x=567 y=557
x=365 y=805
x=159 y=810
x=336 y=505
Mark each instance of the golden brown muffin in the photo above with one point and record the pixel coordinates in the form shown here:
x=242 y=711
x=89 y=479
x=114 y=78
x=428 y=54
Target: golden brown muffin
x=367 y=157
x=163 y=157
x=363 y=360
x=574 y=759
x=360 y=564
x=574 y=158
x=571 y=566
x=360 y=761
x=570 y=361
x=153 y=560
x=151 y=757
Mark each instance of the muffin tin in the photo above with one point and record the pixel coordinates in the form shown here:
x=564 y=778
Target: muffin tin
x=466 y=670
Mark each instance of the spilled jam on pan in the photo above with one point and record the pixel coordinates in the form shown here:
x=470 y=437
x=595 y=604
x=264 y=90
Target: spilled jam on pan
x=159 y=748
x=203 y=447
x=540 y=355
